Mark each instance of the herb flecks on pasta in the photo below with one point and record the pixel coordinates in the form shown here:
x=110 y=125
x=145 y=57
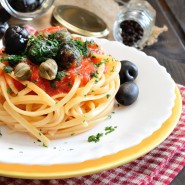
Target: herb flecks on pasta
x=58 y=86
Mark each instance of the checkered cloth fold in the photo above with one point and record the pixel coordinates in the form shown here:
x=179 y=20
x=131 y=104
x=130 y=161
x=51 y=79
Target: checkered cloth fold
x=158 y=167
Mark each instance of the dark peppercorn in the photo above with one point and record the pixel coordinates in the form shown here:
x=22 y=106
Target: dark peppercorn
x=131 y=32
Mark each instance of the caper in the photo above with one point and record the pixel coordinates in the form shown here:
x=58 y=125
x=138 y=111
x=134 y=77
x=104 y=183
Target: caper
x=22 y=71
x=48 y=69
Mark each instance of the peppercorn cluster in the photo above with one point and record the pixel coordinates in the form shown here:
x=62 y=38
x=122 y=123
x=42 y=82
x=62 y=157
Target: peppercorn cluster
x=131 y=32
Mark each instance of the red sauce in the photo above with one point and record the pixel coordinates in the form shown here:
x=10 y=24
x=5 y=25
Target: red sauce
x=66 y=83
x=84 y=71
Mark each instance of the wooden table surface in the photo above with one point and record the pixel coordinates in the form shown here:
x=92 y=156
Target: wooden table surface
x=169 y=50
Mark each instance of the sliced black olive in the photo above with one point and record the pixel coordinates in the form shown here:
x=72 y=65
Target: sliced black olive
x=127 y=93
x=69 y=54
x=15 y=40
x=128 y=71
x=3 y=28
x=25 y=5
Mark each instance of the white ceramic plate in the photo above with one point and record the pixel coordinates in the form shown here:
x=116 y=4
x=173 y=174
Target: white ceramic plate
x=134 y=123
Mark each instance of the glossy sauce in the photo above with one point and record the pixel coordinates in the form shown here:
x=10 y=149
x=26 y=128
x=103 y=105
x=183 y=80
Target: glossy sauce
x=66 y=83
x=53 y=87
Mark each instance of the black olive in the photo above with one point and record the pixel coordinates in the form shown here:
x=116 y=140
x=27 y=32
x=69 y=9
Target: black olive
x=25 y=5
x=15 y=40
x=127 y=93
x=128 y=71
x=3 y=28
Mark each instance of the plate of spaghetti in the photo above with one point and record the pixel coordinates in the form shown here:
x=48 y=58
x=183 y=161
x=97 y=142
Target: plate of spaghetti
x=58 y=94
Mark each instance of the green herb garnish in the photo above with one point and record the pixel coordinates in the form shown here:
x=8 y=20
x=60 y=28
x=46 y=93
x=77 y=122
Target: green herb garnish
x=13 y=60
x=109 y=129
x=44 y=145
x=104 y=61
x=94 y=74
x=82 y=47
x=95 y=138
x=108 y=96
x=9 y=90
x=60 y=75
x=7 y=69
x=39 y=49
x=96 y=81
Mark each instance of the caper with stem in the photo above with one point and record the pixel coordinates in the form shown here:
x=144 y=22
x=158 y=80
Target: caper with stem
x=48 y=69
x=22 y=71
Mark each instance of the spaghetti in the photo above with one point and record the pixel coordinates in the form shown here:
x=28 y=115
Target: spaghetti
x=50 y=113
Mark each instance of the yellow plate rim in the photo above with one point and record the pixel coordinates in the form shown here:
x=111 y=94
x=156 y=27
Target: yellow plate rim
x=61 y=171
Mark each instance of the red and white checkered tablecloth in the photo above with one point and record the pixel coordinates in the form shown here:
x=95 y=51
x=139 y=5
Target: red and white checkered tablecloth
x=158 y=167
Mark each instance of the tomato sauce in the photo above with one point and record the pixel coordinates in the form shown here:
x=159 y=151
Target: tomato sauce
x=64 y=85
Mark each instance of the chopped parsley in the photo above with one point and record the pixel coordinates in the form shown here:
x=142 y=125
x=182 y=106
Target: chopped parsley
x=9 y=90
x=108 y=96
x=95 y=138
x=60 y=75
x=112 y=70
x=39 y=49
x=13 y=60
x=82 y=47
x=109 y=116
x=44 y=145
x=109 y=129
x=94 y=74
x=7 y=69
x=10 y=148
x=104 y=61
x=96 y=81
